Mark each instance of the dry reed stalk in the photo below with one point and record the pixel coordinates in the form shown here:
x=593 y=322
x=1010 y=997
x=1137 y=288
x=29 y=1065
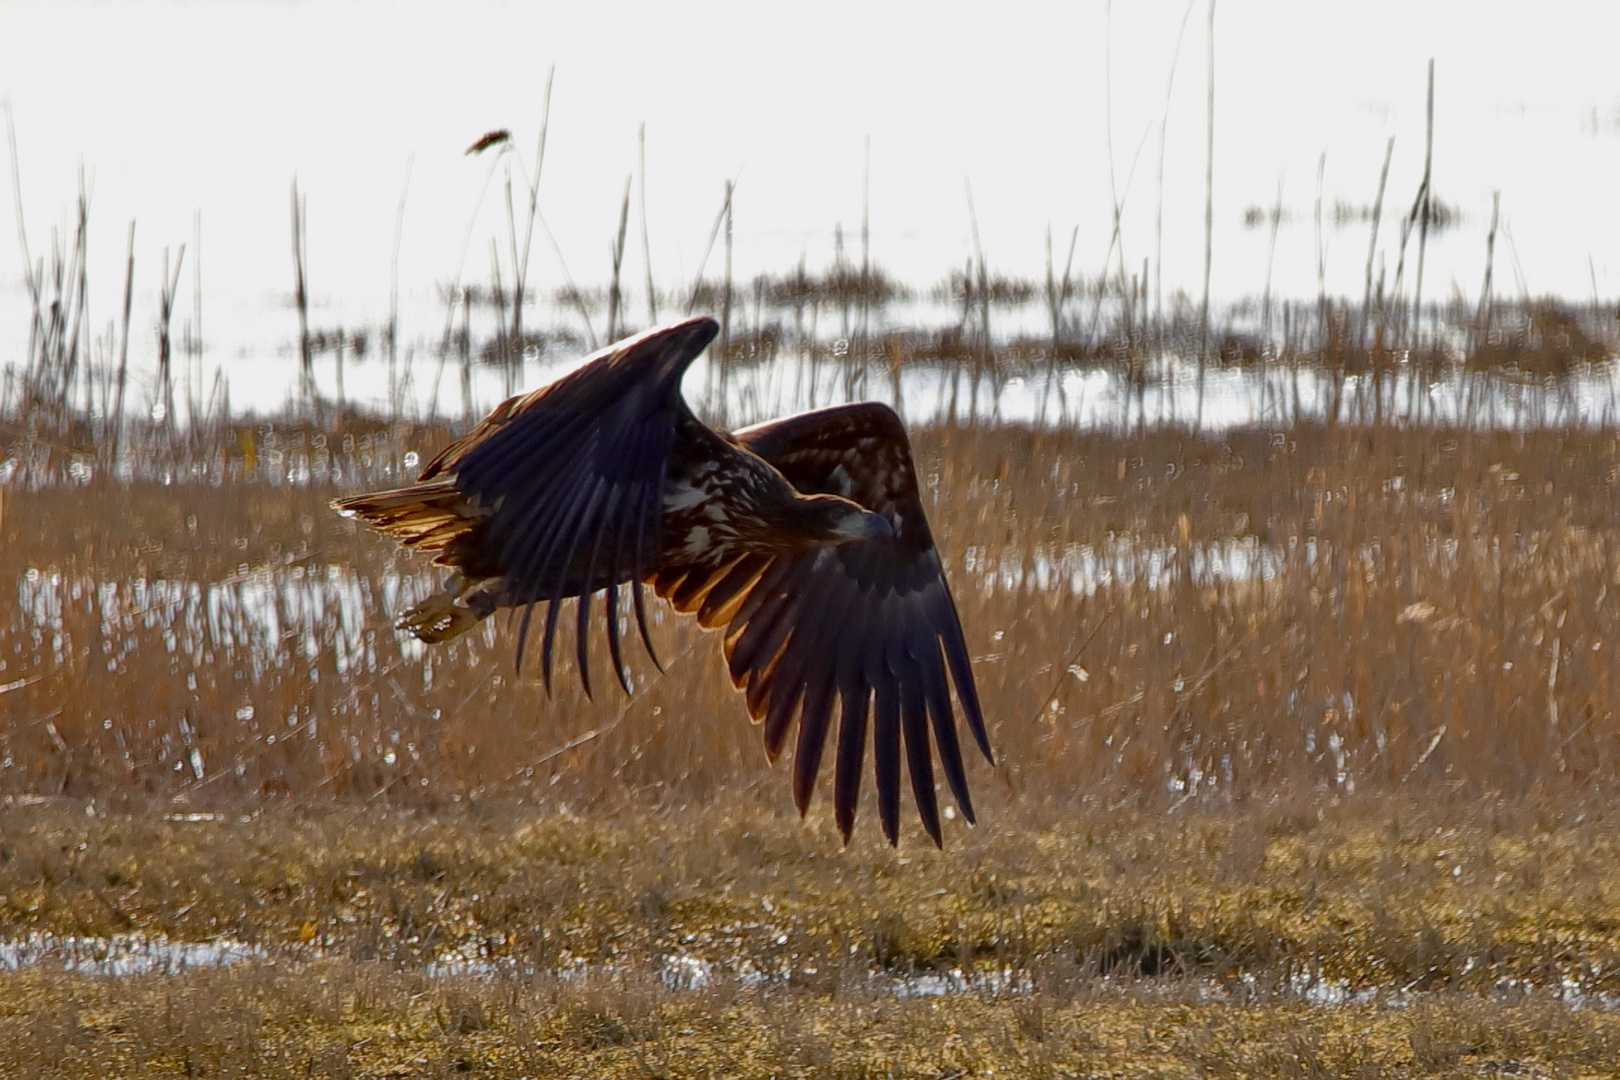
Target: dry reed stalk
x=116 y=417
x=1372 y=236
x=464 y=355
x=1271 y=259
x=503 y=343
x=725 y=302
x=1209 y=221
x=168 y=287
x=864 y=351
x=979 y=284
x=1482 y=318
x=520 y=258
x=31 y=274
x=76 y=296
x=646 y=242
x=393 y=293
x=1321 y=256
x=1158 y=202
x=300 y=251
x=1426 y=203
x=196 y=408
x=615 y=293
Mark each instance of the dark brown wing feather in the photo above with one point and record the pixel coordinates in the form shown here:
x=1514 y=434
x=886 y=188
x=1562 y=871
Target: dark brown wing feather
x=869 y=625
x=558 y=493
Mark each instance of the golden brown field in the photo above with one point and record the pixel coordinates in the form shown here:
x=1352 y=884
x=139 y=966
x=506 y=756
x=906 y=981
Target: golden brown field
x=1158 y=617
x=1305 y=735
x=1404 y=936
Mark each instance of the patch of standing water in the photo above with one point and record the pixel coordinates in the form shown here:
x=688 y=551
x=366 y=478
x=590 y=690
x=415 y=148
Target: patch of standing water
x=128 y=955
x=124 y=954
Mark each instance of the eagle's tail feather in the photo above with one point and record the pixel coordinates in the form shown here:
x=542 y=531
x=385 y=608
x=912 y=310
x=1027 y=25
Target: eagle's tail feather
x=426 y=516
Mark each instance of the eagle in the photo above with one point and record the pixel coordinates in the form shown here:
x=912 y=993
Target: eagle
x=803 y=538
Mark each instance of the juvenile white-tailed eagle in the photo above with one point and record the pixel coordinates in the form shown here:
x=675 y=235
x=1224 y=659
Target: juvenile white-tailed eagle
x=805 y=538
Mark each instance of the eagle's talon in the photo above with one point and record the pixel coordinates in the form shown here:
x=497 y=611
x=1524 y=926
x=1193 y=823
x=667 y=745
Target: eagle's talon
x=439 y=618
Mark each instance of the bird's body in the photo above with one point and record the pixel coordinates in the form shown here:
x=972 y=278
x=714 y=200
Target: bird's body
x=805 y=538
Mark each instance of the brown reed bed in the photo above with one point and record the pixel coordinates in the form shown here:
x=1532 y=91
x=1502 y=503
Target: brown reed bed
x=1174 y=617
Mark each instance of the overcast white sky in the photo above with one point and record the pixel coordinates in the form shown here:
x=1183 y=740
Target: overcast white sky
x=179 y=108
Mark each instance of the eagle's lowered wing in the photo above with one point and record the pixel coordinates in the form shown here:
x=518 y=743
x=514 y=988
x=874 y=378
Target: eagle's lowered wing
x=870 y=622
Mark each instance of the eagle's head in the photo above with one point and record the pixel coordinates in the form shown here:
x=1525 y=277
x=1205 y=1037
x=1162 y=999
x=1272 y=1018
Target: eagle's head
x=835 y=520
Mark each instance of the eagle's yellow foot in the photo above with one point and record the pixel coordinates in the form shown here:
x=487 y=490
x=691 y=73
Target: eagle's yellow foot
x=441 y=617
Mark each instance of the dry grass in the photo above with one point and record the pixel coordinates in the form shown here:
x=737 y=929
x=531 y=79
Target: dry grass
x=1409 y=894
x=358 y=1020
x=1159 y=616
x=1136 y=944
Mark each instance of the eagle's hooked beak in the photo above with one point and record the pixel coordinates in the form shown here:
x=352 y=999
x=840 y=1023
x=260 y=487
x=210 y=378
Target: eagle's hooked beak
x=865 y=526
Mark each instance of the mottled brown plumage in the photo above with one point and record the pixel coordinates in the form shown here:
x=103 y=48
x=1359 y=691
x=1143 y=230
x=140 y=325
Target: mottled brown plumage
x=804 y=538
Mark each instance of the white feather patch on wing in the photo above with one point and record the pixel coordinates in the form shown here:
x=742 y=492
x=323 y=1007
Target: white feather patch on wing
x=697 y=542
x=683 y=495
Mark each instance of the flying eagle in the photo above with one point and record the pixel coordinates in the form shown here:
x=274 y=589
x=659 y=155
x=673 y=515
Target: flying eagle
x=804 y=538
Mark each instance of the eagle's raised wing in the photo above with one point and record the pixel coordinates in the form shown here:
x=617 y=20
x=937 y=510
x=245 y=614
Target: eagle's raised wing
x=559 y=492
x=870 y=622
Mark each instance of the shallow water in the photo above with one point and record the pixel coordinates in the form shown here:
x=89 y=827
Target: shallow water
x=1170 y=394
x=124 y=954
x=128 y=955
